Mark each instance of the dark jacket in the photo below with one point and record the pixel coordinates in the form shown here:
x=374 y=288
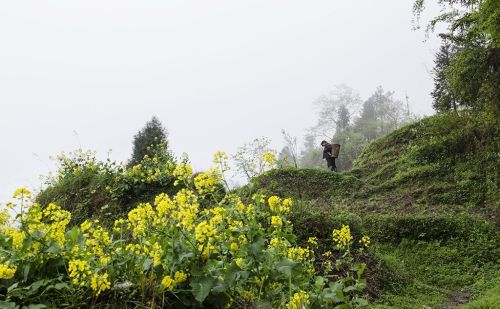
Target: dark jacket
x=327 y=151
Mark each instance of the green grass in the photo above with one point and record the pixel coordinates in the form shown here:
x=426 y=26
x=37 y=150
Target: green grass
x=490 y=299
x=439 y=272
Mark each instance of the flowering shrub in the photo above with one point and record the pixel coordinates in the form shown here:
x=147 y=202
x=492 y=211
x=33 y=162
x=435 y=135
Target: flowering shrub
x=173 y=252
x=90 y=188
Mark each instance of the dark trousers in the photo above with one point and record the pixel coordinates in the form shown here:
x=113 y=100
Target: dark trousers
x=330 y=161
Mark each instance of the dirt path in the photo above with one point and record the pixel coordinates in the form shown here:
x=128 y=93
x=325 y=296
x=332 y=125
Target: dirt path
x=455 y=299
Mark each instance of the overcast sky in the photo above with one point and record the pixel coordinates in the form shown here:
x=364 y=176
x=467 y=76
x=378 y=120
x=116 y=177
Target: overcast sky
x=216 y=73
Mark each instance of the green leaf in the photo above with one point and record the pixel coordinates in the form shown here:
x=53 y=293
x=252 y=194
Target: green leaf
x=339 y=297
x=61 y=285
x=8 y=305
x=336 y=286
x=350 y=289
x=74 y=234
x=360 y=285
x=186 y=255
x=220 y=287
x=257 y=246
x=12 y=287
x=26 y=271
x=33 y=288
x=201 y=287
x=53 y=248
x=319 y=283
x=37 y=306
x=361 y=301
x=232 y=275
x=286 y=266
x=359 y=269
x=147 y=264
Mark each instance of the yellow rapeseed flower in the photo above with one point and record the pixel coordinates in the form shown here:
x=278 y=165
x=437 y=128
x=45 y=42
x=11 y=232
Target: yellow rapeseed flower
x=342 y=237
x=180 y=277
x=99 y=283
x=313 y=241
x=298 y=254
x=168 y=283
x=22 y=193
x=365 y=241
x=239 y=262
x=274 y=202
x=276 y=221
x=233 y=246
x=300 y=300
x=269 y=158
x=6 y=271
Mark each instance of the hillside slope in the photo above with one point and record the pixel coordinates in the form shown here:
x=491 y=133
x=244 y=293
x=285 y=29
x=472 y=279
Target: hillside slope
x=443 y=163
x=428 y=194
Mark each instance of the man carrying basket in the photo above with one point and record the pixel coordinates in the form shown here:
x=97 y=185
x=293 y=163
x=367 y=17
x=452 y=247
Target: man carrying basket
x=330 y=152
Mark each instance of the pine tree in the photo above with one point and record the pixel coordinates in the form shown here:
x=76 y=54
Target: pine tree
x=151 y=140
x=443 y=97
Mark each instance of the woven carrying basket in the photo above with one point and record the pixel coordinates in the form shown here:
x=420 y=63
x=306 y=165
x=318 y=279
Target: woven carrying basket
x=335 y=150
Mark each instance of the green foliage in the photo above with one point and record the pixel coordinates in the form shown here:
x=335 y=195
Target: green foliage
x=317 y=219
x=471 y=74
x=172 y=253
x=439 y=267
x=394 y=228
x=388 y=273
x=92 y=189
x=488 y=299
x=149 y=141
x=442 y=94
x=83 y=185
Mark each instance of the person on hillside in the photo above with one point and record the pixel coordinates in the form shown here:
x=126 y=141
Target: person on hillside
x=328 y=155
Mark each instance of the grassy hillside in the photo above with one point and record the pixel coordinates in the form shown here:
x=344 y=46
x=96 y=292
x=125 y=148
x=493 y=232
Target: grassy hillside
x=440 y=164
x=428 y=194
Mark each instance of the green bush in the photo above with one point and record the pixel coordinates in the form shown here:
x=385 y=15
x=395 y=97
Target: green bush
x=394 y=228
x=318 y=219
x=83 y=185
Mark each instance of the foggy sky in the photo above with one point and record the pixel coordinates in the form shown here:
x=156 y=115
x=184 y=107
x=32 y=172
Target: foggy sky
x=217 y=73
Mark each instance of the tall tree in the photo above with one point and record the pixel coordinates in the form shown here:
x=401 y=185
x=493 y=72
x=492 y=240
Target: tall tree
x=311 y=154
x=442 y=95
x=150 y=140
x=473 y=70
x=335 y=110
x=289 y=155
x=381 y=114
x=344 y=118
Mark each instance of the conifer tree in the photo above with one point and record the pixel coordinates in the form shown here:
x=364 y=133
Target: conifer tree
x=150 y=140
